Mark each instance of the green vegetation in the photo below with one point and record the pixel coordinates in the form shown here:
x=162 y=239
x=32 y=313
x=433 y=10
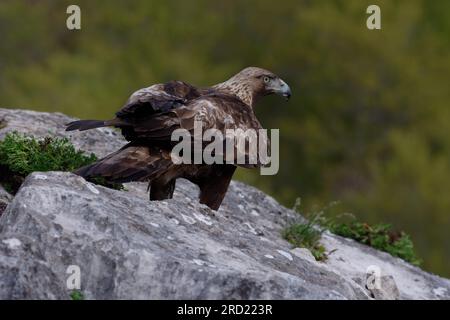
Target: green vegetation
x=379 y=236
x=21 y=155
x=307 y=236
x=24 y=154
x=368 y=122
x=77 y=295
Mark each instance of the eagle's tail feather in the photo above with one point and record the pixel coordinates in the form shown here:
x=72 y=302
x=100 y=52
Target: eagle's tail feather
x=131 y=163
x=86 y=125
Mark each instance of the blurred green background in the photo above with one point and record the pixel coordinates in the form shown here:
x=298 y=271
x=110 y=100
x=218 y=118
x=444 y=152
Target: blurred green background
x=369 y=121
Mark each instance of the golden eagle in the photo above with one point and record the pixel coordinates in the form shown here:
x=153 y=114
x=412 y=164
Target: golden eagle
x=150 y=116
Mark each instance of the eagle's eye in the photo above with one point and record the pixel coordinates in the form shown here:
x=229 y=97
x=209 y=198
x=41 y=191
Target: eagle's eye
x=266 y=79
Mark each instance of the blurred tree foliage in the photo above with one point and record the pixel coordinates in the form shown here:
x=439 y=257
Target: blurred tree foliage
x=369 y=121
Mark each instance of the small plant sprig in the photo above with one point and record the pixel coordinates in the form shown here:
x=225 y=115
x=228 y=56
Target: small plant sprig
x=76 y=295
x=307 y=235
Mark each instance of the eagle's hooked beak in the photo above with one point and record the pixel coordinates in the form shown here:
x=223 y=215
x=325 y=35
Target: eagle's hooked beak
x=283 y=89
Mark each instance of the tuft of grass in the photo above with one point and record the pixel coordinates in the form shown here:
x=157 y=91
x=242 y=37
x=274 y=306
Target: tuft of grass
x=378 y=236
x=306 y=235
x=77 y=295
x=22 y=154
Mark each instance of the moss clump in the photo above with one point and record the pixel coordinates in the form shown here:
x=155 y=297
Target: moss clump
x=21 y=155
x=76 y=295
x=24 y=154
x=378 y=236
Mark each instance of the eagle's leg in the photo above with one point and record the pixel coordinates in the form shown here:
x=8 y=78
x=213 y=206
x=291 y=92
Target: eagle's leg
x=214 y=187
x=160 y=190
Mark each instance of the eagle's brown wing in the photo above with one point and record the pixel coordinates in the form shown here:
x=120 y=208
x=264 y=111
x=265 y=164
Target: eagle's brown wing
x=130 y=163
x=148 y=120
x=215 y=111
x=157 y=98
x=150 y=102
x=142 y=104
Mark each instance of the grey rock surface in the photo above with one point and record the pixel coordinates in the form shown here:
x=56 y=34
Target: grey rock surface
x=100 y=141
x=127 y=247
x=5 y=197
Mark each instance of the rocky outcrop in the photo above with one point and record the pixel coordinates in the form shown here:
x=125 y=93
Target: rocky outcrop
x=5 y=198
x=99 y=141
x=128 y=247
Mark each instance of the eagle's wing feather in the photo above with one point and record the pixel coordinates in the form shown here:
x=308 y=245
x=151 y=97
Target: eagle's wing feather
x=148 y=120
x=157 y=98
x=130 y=163
x=215 y=111
x=148 y=101
x=146 y=106
x=142 y=104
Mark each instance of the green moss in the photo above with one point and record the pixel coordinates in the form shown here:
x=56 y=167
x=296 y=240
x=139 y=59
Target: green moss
x=378 y=236
x=22 y=154
x=77 y=295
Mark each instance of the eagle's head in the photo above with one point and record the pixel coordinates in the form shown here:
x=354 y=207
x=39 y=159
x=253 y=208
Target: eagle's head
x=253 y=82
x=264 y=82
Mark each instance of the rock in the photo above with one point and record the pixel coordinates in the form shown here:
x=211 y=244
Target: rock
x=387 y=290
x=100 y=141
x=127 y=247
x=5 y=196
x=5 y=199
x=303 y=253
